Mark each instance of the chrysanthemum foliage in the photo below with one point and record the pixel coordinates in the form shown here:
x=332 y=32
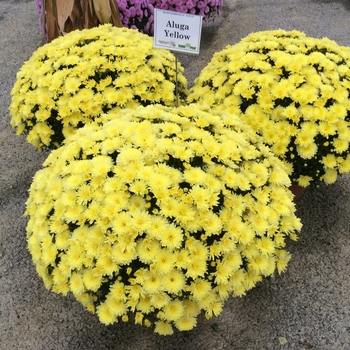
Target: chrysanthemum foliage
x=294 y=91
x=160 y=214
x=71 y=81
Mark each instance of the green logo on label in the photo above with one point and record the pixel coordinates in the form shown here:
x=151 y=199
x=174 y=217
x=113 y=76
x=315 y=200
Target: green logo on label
x=187 y=46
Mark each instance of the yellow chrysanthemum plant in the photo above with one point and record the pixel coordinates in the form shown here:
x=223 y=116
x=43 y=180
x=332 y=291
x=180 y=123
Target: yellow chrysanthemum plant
x=160 y=214
x=71 y=81
x=291 y=89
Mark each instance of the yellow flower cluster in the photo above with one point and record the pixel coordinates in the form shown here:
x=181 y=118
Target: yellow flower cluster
x=72 y=80
x=294 y=91
x=160 y=213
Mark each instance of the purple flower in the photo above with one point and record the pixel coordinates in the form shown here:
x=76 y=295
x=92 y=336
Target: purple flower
x=181 y=8
x=189 y=4
x=132 y=11
x=122 y=5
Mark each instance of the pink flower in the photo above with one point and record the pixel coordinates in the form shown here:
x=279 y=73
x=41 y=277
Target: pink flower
x=189 y=4
x=132 y=11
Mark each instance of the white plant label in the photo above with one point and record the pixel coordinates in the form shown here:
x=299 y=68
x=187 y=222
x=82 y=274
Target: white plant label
x=177 y=31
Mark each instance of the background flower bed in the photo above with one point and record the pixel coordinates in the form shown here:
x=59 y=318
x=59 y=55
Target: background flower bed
x=138 y=14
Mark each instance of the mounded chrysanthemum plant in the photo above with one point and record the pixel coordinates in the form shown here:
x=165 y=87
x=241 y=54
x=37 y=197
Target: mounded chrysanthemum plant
x=291 y=89
x=72 y=80
x=160 y=214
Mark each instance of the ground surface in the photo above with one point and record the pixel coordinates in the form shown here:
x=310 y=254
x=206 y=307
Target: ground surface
x=309 y=305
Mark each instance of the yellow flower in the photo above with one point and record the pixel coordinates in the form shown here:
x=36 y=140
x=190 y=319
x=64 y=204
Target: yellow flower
x=152 y=283
x=330 y=176
x=211 y=223
x=266 y=245
x=200 y=197
x=76 y=283
x=144 y=305
x=118 y=291
x=163 y=328
x=206 y=302
x=135 y=292
x=214 y=308
x=138 y=318
x=49 y=254
x=147 y=249
x=194 y=175
x=107 y=264
x=200 y=288
x=227 y=244
x=237 y=282
x=92 y=279
x=163 y=261
x=105 y=315
x=260 y=224
x=122 y=254
x=330 y=161
x=283 y=259
x=259 y=264
x=344 y=166
x=340 y=145
x=61 y=289
x=174 y=281
x=173 y=310
x=304 y=138
x=223 y=272
x=171 y=237
x=58 y=277
x=196 y=267
x=182 y=257
x=245 y=234
x=160 y=299
x=260 y=172
x=327 y=129
x=307 y=152
x=304 y=180
x=115 y=306
x=186 y=323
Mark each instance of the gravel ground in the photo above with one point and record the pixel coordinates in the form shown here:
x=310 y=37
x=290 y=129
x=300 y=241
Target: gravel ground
x=309 y=305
